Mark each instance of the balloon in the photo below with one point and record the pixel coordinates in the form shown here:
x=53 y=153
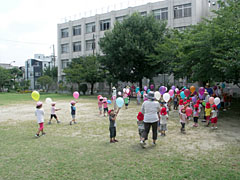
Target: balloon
x=145 y=88
x=75 y=94
x=201 y=90
x=211 y=100
x=141 y=92
x=127 y=91
x=223 y=85
x=148 y=90
x=48 y=100
x=166 y=97
x=194 y=99
x=188 y=111
x=162 y=90
x=119 y=102
x=119 y=93
x=192 y=89
x=151 y=86
x=124 y=89
x=186 y=92
x=215 y=87
x=182 y=95
x=176 y=90
x=201 y=96
x=137 y=89
x=219 y=106
x=204 y=103
x=216 y=100
x=173 y=88
x=35 y=95
x=109 y=101
x=171 y=92
x=157 y=95
x=182 y=89
x=99 y=96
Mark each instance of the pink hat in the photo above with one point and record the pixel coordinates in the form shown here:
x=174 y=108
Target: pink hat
x=39 y=103
x=73 y=102
x=53 y=103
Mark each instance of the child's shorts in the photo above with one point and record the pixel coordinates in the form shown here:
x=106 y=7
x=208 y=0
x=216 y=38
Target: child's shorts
x=207 y=117
x=214 y=120
x=163 y=127
x=73 y=116
x=53 y=116
x=126 y=104
x=105 y=109
x=100 y=108
x=140 y=131
x=195 y=119
x=41 y=126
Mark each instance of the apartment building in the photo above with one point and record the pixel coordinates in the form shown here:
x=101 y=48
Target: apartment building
x=80 y=37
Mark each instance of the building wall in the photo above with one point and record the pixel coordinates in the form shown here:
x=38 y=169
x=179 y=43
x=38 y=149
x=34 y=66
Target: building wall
x=199 y=9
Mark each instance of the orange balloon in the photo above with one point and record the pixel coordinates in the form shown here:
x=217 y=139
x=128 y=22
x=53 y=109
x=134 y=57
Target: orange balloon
x=192 y=89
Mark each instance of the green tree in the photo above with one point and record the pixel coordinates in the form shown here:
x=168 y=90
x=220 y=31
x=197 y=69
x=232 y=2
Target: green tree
x=5 y=78
x=45 y=82
x=51 y=72
x=129 y=44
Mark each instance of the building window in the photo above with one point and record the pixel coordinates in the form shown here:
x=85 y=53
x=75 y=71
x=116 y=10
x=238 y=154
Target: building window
x=45 y=65
x=36 y=64
x=105 y=24
x=77 y=46
x=64 y=33
x=161 y=14
x=143 y=13
x=37 y=74
x=64 y=48
x=90 y=45
x=90 y=27
x=65 y=63
x=120 y=18
x=77 y=30
x=182 y=11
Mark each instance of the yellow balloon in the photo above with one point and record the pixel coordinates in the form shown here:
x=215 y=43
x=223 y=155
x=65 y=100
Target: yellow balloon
x=192 y=89
x=35 y=95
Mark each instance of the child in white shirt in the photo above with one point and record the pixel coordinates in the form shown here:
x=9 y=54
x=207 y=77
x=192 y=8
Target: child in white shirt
x=39 y=112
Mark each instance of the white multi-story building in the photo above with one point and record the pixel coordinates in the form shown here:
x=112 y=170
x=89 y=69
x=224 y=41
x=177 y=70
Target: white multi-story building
x=81 y=37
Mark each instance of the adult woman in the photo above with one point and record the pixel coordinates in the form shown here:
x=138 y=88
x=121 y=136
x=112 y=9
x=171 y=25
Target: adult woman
x=150 y=109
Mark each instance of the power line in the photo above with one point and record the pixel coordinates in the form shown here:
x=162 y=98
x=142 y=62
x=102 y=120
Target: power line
x=24 y=42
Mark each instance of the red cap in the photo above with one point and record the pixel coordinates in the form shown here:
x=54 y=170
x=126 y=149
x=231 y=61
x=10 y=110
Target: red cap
x=208 y=105
x=214 y=106
x=198 y=101
x=196 y=106
x=163 y=111
x=140 y=116
x=188 y=101
x=109 y=111
x=185 y=103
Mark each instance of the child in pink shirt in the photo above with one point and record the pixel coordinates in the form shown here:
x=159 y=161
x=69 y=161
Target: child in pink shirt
x=100 y=104
x=105 y=106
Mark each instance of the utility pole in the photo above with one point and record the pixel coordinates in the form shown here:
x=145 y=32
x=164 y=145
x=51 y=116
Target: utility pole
x=93 y=44
x=54 y=56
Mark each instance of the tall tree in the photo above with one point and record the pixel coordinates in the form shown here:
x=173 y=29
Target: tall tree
x=127 y=46
x=45 y=82
x=5 y=78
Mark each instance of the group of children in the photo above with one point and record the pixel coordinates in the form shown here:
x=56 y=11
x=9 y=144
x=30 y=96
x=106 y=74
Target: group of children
x=39 y=113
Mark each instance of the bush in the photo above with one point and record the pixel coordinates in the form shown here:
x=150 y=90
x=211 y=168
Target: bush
x=83 y=88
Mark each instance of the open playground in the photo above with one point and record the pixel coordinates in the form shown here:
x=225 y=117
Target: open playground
x=83 y=151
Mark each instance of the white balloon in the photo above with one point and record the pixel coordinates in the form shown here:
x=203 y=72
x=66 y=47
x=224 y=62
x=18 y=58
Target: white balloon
x=217 y=101
x=127 y=91
x=157 y=95
x=48 y=100
x=124 y=89
x=166 y=97
x=119 y=93
x=176 y=90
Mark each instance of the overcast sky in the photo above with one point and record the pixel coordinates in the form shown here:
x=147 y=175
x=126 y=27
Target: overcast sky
x=29 y=27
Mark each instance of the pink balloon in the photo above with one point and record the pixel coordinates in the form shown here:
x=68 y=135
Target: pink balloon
x=171 y=92
x=186 y=92
x=75 y=94
x=188 y=111
x=201 y=90
x=211 y=100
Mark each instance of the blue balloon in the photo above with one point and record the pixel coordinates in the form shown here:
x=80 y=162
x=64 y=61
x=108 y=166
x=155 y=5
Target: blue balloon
x=182 y=95
x=219 y=106
x=148 y=90
x=109 y=101
x=142 y=92
x=223 y=85
x=119 y=102
x=137 y=89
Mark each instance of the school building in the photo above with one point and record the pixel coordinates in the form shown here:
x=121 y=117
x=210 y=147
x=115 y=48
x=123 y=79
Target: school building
x=80 y=37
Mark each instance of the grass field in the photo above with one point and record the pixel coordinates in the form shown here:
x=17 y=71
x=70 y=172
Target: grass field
x=83 y=151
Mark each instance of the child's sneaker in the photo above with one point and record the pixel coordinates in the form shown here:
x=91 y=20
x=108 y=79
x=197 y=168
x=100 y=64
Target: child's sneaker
x=43 y=134
x=49 y=122
x=115 y=140
x=37 y=135
x=216 y=127
x=112 y=141
x=153 y=143
x=58 y=122
x=142 y=144
x=75 y=122
x=212 y=127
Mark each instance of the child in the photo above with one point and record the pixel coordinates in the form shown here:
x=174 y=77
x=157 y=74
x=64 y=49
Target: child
x=195 y=115
x=175 y=100
x=73 y=112
x=207 y=113
x=214 y=118
x=163 y=121
x=183 y=120
x=138 y=98
x=180 y=106
x=105 y=106
x=40 y=118
x=126 y=100
x=112 y=125
x=53 y=114
x=100 y=104
x=140 y=124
